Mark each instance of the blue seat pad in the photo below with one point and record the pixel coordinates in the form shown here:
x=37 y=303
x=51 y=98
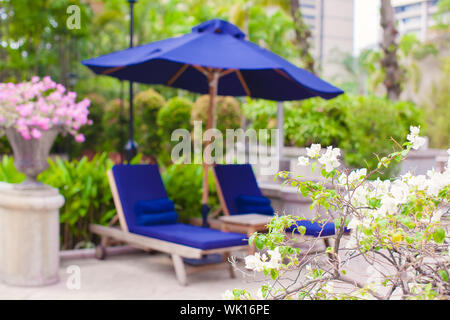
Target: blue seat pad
x=192 y=236
x=314 y=228
x=236 y=180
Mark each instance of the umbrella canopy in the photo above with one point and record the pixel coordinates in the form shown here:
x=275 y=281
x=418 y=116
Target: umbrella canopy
x=216 y=59
x=252 y=70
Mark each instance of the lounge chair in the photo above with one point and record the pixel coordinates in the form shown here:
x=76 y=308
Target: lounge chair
x=148 y=221
x=246 y=209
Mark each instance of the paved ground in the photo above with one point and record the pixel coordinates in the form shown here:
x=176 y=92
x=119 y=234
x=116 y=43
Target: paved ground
x=130 y=276
x=141 y=275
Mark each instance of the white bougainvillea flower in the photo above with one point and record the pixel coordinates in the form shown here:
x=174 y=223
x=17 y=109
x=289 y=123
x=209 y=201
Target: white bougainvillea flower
x=275 y=259
x=388 y=206
x=314 y=150
x=414 y=138
x=228 y=295
x=303 y=161
x=255 y=262
x=380 y=187
x=359 y=197
x=352 y=178
x=437 y=181
x=437 y=215
x=418 y=182
x=400 y=191
x=329 y=159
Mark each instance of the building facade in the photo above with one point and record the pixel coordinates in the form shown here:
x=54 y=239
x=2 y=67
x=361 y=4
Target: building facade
x=331 y=24
x=415 y=16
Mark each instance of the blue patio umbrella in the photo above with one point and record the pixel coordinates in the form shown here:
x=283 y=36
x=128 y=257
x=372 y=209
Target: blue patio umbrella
x=213 y=59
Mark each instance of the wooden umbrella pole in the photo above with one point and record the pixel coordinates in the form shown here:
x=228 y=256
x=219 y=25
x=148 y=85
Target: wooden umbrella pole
x=213 y=79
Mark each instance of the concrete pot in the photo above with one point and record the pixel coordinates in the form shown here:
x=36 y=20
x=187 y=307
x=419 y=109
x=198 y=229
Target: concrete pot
x=30 y=156
x=29 y=216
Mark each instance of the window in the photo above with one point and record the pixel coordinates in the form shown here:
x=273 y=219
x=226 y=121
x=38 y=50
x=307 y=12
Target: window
x=411 y=20
x=408 y=7
x=307 y=5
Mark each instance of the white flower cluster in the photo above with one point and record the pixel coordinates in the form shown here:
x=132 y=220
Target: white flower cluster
x=396 y=193
x=258 y=262
x=414 y=138
x=329 y=159
x=353 y=178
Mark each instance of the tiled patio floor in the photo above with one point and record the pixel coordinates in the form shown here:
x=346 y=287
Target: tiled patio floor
x=130 y=276
x=141 y=275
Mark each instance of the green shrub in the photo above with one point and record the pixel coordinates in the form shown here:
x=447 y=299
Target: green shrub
x=228 y=112
x=183 y=183
x=84 y=186
x=261 y=113
x=114 y=132
x=8 y=172
x=94 y=132
x=438 y=109
x=147 y=104
x=176 y=114
x=362 y=126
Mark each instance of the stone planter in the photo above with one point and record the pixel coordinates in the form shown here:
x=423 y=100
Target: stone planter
x=30 y=156
x=29 y=216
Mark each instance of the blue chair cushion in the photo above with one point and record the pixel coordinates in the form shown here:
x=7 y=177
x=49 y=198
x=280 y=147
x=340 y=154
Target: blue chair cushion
x=253 y=200
x=136 y=183
x=159 y=218
x=155 y=212
x=314 y=229
x=236 y=180
x=254 y=204
x=153 y=206
x=192 y=236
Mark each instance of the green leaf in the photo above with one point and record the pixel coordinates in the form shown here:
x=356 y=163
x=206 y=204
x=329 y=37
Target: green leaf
x=443 y=274
x=259 y=242
x=273 y=274
x=439 y=235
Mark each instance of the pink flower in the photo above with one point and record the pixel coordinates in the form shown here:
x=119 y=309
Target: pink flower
x=38 y=105
x=79 y=138
x=25 y=134
x=35 y=133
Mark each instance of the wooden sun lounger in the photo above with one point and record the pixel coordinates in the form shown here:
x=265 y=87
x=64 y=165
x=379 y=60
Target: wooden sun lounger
x=176 y=251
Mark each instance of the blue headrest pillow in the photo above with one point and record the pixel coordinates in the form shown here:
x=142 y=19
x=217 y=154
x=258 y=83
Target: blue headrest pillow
x=155 y=212
x=254 y=204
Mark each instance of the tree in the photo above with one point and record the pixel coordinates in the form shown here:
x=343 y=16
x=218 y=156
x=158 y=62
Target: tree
x=393 y=73
x=302 y=32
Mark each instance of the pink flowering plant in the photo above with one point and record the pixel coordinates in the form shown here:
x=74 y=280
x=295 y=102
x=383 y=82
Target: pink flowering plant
x=40 y=104
x=397 y=247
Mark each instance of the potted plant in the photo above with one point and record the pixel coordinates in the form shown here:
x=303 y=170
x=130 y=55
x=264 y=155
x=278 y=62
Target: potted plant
x=32 y=114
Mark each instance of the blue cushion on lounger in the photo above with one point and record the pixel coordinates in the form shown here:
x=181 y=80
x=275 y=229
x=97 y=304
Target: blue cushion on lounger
x=153 y=219
x=236 y=180
x=153 y=206
x=314 y=228
x=192 y=236
x=136 y=183
x=254 y=204
x=155 y=212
